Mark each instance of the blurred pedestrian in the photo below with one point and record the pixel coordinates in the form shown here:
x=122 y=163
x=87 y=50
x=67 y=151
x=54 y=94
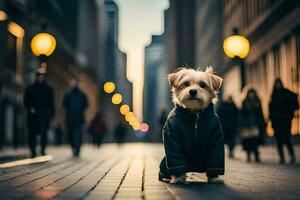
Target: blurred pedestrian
x=39 y=103
x=75 y=104
x=282 y=106
x=58 y=131
x=97 y=129
x=252 y=124
x=120 y=132
x=229 y=114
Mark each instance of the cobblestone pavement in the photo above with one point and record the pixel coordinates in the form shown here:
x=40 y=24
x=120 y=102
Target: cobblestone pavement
x=130 y=172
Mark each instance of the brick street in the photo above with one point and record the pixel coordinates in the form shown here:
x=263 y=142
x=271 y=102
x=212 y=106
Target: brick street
x=131 y=172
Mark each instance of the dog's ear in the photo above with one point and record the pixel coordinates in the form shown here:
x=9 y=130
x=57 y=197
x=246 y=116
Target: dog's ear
x=175 y=77
x=216 y=81
x=209 y=69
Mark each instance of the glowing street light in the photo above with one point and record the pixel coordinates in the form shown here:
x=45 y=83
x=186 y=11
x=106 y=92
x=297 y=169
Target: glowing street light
x=109 y=87
x=3 y=15
x=237 y=47
x=124 y=109
x=116 y=98
x=43 y=45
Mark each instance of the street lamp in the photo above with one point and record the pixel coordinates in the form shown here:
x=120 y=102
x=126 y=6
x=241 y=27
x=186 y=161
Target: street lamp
x=43 y=45
x=237 y=47
x=3 y=15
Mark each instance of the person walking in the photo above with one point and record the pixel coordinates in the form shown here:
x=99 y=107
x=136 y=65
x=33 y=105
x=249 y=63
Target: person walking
x=97 y=129
x=120 y=132
x=228 y=114
x=39 y=103
x=75 y=104
x=252 y=124
x=282 y=106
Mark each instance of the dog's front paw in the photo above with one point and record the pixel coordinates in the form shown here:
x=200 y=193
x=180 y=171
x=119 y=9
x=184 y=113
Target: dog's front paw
x=179 y=179
x=215 y=180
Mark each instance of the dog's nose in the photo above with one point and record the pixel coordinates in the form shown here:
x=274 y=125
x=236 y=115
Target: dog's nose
x=193 y=92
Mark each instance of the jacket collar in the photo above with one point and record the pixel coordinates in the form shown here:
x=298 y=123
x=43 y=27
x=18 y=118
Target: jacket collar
x=183 y=112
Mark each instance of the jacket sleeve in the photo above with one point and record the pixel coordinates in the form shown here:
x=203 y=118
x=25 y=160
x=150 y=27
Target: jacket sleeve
x=215 y=158
x=174 y=150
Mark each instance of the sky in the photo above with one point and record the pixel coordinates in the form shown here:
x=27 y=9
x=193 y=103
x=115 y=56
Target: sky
x=138 y=20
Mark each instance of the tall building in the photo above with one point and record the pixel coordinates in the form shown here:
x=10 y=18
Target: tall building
x=209 y=34
x=13 y=44
x=180 y=31
x=79 y=53
x=155 y=83
x=273 y=28
x=194 y=33
x=116 y=61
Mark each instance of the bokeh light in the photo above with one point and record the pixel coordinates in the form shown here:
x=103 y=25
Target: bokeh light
x=3 y=15
x=124 y=109
x=43 y=44
x=109 y=87
x=236 y=45
x=116 y=98
x=136 y=127
x=128 y=116
x=144 y=127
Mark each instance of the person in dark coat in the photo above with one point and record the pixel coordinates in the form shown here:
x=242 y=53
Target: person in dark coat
x=282 y=106
x=252 y=124
x=229 y=114
x=39 y=103
x=120 y=132
x=97 y=129
x=75 y=104
x=58 y=130
x=193 y=143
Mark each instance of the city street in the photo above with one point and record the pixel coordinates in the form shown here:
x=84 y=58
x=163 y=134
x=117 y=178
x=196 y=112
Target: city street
x=130 y=172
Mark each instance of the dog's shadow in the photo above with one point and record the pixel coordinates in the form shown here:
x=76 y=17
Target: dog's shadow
x=199 y=188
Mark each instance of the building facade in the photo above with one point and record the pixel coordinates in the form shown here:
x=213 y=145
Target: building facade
x=13 y=42
x=209 y=34
x=79 y=54
x=180 y=31
x=273 y=30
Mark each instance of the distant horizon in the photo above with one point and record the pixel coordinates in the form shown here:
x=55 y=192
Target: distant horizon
x=138 y=21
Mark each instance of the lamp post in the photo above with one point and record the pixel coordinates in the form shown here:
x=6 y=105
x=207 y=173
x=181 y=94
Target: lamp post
x=43 y=45
x=237 y=48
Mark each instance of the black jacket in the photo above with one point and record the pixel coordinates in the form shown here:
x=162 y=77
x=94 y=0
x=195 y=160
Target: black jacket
x=39 y=102
x=75 y=103
x=229 y=114
x=251 y=115
x=282 y=106
x=193 y=142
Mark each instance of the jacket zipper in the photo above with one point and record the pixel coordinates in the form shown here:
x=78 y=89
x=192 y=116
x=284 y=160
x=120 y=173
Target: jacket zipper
x=196 y=128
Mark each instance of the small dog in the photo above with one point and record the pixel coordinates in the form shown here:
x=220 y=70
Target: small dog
x=193 y=137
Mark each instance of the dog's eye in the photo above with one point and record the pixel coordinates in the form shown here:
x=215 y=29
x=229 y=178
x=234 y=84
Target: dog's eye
x=202 y=85
x=186 y=84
